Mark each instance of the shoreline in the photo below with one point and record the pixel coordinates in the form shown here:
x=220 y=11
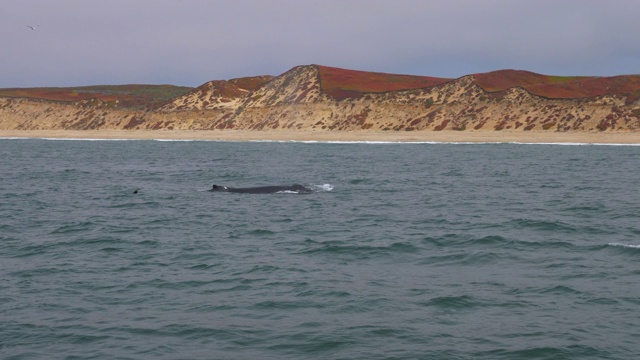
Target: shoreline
x=337 y=136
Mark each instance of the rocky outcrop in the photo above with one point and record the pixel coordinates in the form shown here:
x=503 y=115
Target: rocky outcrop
x=348 y=100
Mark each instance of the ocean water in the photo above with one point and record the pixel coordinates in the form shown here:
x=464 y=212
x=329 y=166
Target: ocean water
x=404 y=251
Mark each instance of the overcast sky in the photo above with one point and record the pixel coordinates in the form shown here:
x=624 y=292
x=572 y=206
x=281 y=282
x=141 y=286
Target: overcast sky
x=189 y=42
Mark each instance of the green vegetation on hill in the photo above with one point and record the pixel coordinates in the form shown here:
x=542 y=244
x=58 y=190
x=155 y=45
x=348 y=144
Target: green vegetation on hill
x=129 y=96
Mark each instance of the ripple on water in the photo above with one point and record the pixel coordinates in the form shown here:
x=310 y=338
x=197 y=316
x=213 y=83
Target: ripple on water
x=430 y=251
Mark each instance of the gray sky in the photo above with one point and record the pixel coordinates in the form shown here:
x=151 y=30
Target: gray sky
x=189 y=42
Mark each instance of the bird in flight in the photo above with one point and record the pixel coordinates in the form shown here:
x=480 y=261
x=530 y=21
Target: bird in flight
x=31 y=27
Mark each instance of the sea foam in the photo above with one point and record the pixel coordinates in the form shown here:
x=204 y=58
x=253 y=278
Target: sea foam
x=625 y=245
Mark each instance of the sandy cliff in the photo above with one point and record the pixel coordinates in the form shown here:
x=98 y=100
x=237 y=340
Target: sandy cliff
x=323 y=98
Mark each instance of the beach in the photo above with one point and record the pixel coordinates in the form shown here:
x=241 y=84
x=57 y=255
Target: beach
x=338 y=136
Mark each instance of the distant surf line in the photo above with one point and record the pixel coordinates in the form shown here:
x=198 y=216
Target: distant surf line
x=370 y=142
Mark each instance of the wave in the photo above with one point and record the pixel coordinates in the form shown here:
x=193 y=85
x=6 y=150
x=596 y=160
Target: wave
x=549 y=352
x=72 y=228
x=543 y=225
x=496 y=241
x=322 y=187
x=572 y=144
x=261 y=232
x=363 y=250
x=371 y=142
x=464 y=259
x=631 y=246
x=453 y=302
x=400 y=142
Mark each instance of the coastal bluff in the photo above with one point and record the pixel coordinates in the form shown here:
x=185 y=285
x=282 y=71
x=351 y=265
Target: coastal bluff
x=321 y=98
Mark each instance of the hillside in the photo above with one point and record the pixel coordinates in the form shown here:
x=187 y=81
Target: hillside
x=324 y=98
x=126 y=96
x=217 y=94
x=561 y=87
x=341 y=84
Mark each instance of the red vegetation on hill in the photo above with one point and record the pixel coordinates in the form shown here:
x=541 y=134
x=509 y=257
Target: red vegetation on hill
x=251 y=83
x=561 y=87
x=221 y=88
x=505 y=79
x=342 y=83
x=234 y=88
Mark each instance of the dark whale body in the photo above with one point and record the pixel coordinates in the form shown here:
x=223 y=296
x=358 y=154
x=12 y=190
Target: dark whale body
x=296 y=188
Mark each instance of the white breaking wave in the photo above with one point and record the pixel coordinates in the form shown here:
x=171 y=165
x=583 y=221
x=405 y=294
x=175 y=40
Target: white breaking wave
x=370 y=142
x=625 y=245
x=323 y=187
x=572 y=144
x=414 y=142
x=314 y=187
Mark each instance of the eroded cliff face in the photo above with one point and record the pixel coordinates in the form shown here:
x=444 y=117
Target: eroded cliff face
x=296 y=100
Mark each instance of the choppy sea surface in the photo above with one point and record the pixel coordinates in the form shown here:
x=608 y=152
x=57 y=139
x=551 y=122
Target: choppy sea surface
x=403 y=251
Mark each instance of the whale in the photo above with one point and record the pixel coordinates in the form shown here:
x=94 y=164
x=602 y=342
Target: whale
x=295 y=188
